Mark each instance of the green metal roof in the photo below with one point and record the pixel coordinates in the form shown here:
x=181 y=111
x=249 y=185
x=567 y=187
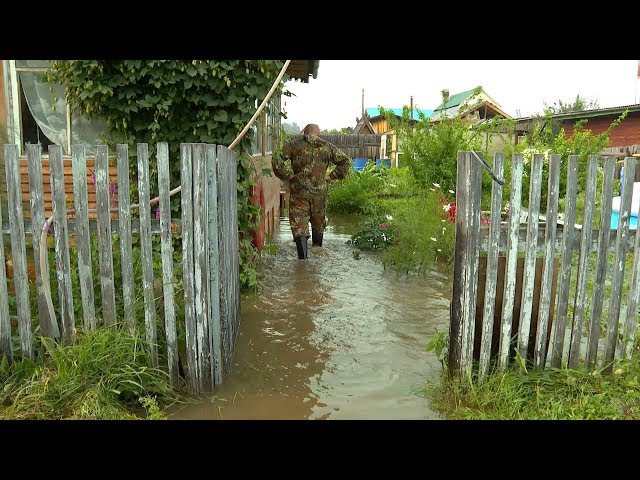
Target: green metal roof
x=455 y=100
x=374 y=112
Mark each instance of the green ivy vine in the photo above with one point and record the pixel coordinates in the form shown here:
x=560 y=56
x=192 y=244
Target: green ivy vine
x=176 y=101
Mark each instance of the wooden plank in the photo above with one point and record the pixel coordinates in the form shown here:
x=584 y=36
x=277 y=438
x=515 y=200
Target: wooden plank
x=105 y=253
x=61 y=237
x=492 y=267
x=83 y=240
x=631 y=322
x=146 y=252
x=167 y=263
x=176 y=226
x=601 y=265
x=124 y=227
x=528 y=280
x=583 y=263
x=186 y=182
x=18 y=250
x=619 y=263
x=214 y=264
x=48 y=327
x=546 y=302
x=200 y=265
x=459 y=267
x=5 y=322
x=229 y=256
x=512 y=261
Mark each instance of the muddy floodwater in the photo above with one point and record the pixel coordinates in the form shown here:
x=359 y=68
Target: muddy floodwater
x=333 y=337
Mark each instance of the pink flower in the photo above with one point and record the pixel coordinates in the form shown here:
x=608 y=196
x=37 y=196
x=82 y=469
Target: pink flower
x=383 y=226
x=93 y=178
x=157 y=214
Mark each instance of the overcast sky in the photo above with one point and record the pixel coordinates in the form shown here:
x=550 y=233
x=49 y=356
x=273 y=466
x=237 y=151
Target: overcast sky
x=334 y=99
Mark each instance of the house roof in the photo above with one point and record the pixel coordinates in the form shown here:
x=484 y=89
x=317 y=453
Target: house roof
x=375 y=112
x=303 y=69
x=455 y=100
x=589 y=113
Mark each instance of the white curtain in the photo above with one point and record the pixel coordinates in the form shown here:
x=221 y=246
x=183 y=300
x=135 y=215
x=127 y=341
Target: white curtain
x=47 y=104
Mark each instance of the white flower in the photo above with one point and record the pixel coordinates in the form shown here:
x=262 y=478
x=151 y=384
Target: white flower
x=433 y=189
x=392 y=185
x=451 y=191
x=439 y=249
x=447 y=207
x=434 y=239
x=436 y=185
x=443 y=230
x=384 y=239
x=388 y=217
x=443 y=220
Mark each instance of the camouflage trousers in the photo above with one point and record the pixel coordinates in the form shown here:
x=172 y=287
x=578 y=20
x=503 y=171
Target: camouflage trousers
x=305 y=208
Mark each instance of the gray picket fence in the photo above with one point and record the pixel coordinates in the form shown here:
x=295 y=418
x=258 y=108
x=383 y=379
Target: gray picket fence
x=506 y=304
x=210 y=259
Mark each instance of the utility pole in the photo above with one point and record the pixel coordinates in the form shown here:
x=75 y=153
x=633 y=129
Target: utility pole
x=363 y=103
x=411 y=107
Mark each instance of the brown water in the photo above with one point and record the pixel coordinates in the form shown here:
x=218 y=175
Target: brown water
x=332 y=337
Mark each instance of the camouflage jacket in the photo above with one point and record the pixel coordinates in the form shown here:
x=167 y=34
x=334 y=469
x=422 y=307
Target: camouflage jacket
x=310 y=157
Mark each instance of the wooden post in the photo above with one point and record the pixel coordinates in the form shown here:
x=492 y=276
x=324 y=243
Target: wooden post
x=146 y=252
x=5 y=322
x=83 y=240
x=601 y=266
x=61 y=235
x=560 y=324
x=492 y=267
x=512 y=261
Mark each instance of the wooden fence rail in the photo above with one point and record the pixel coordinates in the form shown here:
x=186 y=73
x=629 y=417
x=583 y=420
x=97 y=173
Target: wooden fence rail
x=538 y=306
x=209 y=275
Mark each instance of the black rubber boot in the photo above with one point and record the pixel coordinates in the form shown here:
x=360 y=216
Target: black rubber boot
x=316 y=238
x=301 y=246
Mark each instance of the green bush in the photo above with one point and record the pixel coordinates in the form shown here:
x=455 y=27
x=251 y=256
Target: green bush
x=377 y=233
x=357 y=193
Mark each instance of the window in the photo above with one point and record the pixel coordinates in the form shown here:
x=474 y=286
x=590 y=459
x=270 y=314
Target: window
x=266 y=128
x=37 y=111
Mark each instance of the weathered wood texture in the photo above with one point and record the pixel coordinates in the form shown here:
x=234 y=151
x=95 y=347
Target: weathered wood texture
x=549 y=236
x=357 y=146
x=124 y=228
x=63 y=266
x=228 y=253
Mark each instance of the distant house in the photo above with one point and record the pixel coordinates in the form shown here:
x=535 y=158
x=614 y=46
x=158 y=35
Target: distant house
x=474 y=105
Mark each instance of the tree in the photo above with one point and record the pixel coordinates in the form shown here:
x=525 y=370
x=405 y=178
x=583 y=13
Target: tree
x=291 y=128
x=578 y=105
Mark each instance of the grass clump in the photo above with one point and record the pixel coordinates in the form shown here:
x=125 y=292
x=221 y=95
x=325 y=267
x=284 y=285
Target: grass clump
x=105 y=374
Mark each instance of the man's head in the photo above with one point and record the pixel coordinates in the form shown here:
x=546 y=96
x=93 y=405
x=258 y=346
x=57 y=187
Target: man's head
x=311 y=130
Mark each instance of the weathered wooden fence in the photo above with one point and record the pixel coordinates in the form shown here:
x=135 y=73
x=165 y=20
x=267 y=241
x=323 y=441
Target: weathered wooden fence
x=210 y=259
x=357 y=146
x=505 y=304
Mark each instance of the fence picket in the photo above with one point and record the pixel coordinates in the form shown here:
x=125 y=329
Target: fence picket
x=124 y=224
x=34 y=164
x=83 y=240
x=5 y=322
x=492 y=267
x=528 y=281
x=146 y=253
x=515 y=203
x=167 y=262
x=186 y=181
x=61 y=236
x=601 y=266
x=546 y=302
x=620 y=260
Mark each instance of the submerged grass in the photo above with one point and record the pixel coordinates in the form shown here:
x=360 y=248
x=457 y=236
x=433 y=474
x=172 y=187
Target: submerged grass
x=105 y=374
x=550 y=394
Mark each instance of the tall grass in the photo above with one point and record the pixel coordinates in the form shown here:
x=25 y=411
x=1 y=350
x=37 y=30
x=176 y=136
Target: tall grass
x=105 y=374
x=550 y=394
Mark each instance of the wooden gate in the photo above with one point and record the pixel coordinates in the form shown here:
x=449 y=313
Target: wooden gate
x=551 y=313
x=209 y=283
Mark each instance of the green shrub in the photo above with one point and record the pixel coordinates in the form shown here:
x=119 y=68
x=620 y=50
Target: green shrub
x=377 y=233
x=357 y=193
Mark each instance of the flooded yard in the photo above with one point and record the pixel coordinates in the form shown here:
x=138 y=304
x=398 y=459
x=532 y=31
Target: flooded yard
x=332 y=337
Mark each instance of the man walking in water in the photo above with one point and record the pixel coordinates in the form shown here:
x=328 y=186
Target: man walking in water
x=310 y=157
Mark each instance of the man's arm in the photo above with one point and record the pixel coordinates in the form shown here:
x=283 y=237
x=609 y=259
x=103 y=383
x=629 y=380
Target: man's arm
x=279 y=164
x=342 y=163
